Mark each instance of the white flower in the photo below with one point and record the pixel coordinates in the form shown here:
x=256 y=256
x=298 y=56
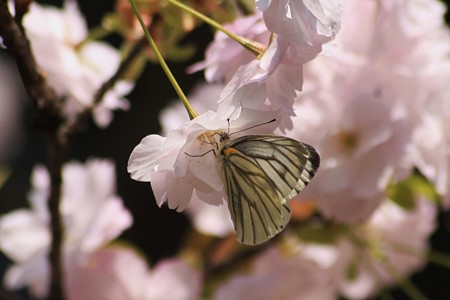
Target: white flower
x=267 y=84
x=187 y=160
x=74 y=69
x=203 y=97
x=92 y=215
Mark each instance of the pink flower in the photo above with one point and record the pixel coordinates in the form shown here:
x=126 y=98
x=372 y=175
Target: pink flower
x=224 y=55
x=304 y=23
x=362 y=138
x=271 y=82
x=395 y=246
x=185 y=162
x=369 y=105
x=267 y=84
x=277 y=275
x=93 y=215
x=76 y=71
x=101 y=275
x=173 y=279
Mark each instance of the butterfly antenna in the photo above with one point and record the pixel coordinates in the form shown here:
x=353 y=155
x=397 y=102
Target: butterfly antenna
x=251 y=127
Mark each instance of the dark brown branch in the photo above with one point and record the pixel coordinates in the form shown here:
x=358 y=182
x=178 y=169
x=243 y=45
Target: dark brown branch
x=48 y=120
x=57 y=155
x=239 y=257
x=41 y=94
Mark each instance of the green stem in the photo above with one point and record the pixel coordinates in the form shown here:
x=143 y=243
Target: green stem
x=252 y=46
x=95 y=33
x=405 y=284
x=439 y=258
x=191 y=111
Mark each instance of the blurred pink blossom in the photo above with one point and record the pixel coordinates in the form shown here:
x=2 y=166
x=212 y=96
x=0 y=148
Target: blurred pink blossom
x=74 y=67
x=118 y=272
x=396 y=244
x=390 y=245
x=278 y=275
x=368 y=105
x=92 y=213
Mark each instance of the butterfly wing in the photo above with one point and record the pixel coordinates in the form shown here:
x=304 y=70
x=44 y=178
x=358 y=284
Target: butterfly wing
x=262 y=173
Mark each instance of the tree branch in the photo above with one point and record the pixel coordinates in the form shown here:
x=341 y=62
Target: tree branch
x=48 y=120
x=41 y=94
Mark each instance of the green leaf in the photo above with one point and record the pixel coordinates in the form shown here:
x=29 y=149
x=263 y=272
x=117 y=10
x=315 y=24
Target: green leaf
x=5 y=172
x=351 y=272
x=321 y=235
x=406 y=192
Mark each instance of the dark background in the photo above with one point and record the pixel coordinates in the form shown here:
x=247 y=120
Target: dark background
x=157 y=231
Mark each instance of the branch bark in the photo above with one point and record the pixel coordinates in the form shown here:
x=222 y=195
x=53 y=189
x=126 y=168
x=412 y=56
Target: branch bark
x=48 y=120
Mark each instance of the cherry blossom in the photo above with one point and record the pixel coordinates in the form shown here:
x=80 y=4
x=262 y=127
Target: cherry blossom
x=304 y=23
x=367 y=106
x=224 y=55
x=92 y=214
x=74 y=67
x=277 y=275
x=101 y=275
x=185 y=160
x=271 y=81
x=395 y=245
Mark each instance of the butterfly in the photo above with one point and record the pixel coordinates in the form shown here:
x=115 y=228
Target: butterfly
x=262 y=173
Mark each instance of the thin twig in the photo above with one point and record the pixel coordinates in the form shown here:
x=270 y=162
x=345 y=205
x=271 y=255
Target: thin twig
x=71 y=127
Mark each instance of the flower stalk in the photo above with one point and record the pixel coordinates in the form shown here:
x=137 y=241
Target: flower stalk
x=191 y=111
x=254 y=47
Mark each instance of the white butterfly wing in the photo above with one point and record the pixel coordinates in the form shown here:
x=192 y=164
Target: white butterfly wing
x=262 y=173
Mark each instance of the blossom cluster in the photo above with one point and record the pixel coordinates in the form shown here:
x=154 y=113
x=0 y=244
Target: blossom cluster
x=363 y=82
x=374 y=104
x=93 y=216
x=75 y=66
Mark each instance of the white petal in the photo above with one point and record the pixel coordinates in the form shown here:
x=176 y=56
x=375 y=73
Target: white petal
x=144 y=158
x=22 y=235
